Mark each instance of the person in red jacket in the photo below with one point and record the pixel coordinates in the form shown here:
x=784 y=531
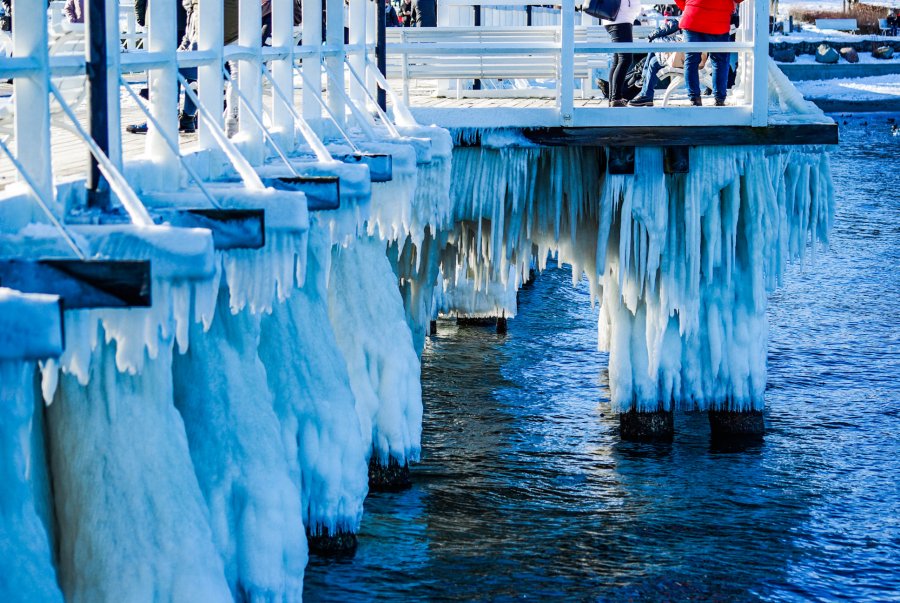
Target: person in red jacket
x=706 y=21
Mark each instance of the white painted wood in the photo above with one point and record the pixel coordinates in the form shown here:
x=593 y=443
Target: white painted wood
x=312 y=72
x=760 y=59
x=283 y=72
x=358 y=36
x=113 y=98
x=32 y=110
x=210 y=80
x=334 y=63
x=163 y=96
x=252 y=142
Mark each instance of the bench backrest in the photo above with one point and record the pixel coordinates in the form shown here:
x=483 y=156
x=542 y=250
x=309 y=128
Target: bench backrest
x=838 y=24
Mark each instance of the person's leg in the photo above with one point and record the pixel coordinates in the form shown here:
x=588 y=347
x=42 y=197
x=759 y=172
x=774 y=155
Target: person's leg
x=651 y=69
x=720 y=65
x=619 y=33
x=692 y=65
x=189 y=109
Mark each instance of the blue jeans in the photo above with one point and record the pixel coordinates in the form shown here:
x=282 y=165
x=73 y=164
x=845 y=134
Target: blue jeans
x=719 y=60
x=190 y=74
x=651 y=68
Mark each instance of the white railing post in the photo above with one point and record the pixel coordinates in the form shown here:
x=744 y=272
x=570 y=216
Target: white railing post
x=163 y=92
x=113 y=99
x=283 y=71
x=250 y=80
x=371 y=33
x=334 y=63
x=358 y=38
x=32 y=119
x=209 y=77
x=760 y=78
x=312 y=66
x=566 y=83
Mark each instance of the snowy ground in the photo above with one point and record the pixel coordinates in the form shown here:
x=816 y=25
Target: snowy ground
x=876 y=88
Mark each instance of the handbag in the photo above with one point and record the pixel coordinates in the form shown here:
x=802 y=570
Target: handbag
x=603 y=9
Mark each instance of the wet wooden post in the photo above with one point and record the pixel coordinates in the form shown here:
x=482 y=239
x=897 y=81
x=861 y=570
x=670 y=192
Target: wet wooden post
x=652 y=426
x=334 y=59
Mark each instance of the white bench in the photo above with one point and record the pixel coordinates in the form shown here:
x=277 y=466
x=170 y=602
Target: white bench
x=460 y=53
x=837 y=24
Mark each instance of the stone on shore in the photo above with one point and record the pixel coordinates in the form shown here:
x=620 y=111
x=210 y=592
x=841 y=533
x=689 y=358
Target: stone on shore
x=827 y=55
x=850 y=55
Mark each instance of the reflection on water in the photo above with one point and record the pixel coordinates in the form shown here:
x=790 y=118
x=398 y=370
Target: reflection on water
x=525 y=491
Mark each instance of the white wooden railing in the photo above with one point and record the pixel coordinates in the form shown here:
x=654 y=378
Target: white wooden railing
x=452 y=41
x=33 y=70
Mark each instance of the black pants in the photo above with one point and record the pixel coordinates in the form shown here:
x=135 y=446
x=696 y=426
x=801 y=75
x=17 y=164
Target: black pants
x=620 y=32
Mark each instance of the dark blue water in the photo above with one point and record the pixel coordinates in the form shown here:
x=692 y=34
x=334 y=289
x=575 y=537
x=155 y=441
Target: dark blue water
x=526 y=492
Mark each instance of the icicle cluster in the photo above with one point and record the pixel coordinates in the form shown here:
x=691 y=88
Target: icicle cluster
x=681 y=264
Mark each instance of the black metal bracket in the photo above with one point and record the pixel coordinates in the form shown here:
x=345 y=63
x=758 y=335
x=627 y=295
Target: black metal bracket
x=620 y=160
x=231 y=228
x=677 y=160
x=381 y=165
x=82 y=283
x=322 y=192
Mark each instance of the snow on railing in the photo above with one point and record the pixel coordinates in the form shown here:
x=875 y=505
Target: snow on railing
x=492 y=36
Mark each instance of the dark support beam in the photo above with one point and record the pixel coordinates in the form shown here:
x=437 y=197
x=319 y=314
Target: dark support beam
x=663 y=136
x=620 y=160
x=231 y=228
x=658 y=426
x=381 y=165
x=677 y=160
x=98 y=109
x=381 y=50
x=322 y=192
x=82 y=283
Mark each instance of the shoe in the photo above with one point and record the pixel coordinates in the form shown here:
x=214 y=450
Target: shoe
x=720 y=102
x=696 y=102
x=641 y=101
x=137 y=128
x=619 y=102
x=187 y=124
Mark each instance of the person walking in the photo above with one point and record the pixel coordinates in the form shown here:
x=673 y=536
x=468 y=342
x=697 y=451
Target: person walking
x=621 y=32
x=74 y=11
x=424 y=13
x=706 y=21
x=390 y=15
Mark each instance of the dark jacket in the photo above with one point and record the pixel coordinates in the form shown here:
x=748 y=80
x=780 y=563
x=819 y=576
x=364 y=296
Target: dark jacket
x=74 y=11
x=192 y=31
x=140 y=12
x=669 y=28
x=424 y=13
x=390 y=16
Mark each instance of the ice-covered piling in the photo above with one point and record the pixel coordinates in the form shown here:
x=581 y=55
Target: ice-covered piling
x=26 y=561
x=681 y=264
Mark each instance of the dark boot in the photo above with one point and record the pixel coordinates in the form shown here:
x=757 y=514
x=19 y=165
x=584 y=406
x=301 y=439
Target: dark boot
x=187 y=124
x=696 y=102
